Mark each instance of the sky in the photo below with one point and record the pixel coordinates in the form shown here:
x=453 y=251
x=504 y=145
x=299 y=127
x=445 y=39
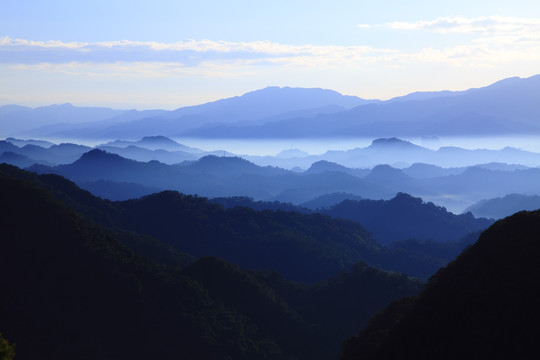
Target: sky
x=169 y=54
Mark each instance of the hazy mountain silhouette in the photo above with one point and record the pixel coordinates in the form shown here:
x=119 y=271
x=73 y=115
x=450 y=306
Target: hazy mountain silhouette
x=144 y=155
x=498 y=208
x=426 y=171
x=21 y=142
x=158 y=142
x=395 y=179
x=64 y=120
x=22 y=118
x=214 y=176
x=323 y=165
x=7 y=146
x=245 y=236
x=117 y=191
x=508 y=106
x=267 y=103
x=224 y=176
x=12 y=158
x=482 y=305
x=329 y=200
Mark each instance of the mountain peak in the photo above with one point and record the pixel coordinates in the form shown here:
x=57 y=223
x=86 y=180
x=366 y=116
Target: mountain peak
x=390 y=141
x=97 y=154
x=157 y=139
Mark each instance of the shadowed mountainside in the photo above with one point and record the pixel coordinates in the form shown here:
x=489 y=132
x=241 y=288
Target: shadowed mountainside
x=406 y=217
x=75 y=291
x=483 y=305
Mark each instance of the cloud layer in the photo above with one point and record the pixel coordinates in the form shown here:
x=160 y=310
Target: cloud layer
x=493 y=39
x=446 y=51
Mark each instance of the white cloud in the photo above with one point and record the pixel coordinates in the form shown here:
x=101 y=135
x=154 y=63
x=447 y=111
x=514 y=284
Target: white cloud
x=495 y=40
x=186 y=53
x=495 y=25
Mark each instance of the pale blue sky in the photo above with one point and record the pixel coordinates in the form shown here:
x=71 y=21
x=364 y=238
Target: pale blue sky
x=167 y=54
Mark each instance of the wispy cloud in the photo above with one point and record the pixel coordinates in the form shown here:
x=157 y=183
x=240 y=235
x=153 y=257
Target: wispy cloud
x=187 y=53
x=491 y=41
x=492 y=25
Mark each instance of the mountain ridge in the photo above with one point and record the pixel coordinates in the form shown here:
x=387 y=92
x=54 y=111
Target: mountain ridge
x=507 y=105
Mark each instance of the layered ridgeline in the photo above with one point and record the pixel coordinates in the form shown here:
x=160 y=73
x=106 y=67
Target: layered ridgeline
x=509 y=106
x=81 y=283
x=261 y=106
x=424 y=162
x=121 y=170
x=501 y=207
x=484 y=305
x=304 y=247
x=406 y=217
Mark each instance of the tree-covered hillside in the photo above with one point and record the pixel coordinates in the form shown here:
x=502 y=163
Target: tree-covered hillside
x=484 y=305
x=72 y=290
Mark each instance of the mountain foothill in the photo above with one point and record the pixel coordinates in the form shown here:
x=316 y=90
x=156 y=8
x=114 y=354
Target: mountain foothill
x=143 y=247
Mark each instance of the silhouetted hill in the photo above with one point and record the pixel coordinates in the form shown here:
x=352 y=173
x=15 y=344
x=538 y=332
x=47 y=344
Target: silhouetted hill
x=21 y=142
x=329 y=200
x=214 y=176
x=244 y=201
x=23 y=119
x=406 y=217
x=498 y=208
x=253 y=107
x=75 y=292
x=117 y=191
x=99 y=165
x=397 y=180
x=11 y=158
x=508 y=106
x=323 y=165
x=477 y=182
x=249 y=238
x=55 y=154
x=227 y=165
x=158 y=142
x=426 y=171
x=144 y=155
x=482 y=305
x=7 y=146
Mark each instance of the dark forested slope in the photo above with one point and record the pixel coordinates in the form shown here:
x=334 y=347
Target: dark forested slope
x=71 y=290
x=304 y=247
x=406 y=217
x=484 y=305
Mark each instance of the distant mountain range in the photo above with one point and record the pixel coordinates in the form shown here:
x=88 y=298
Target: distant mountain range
x=501 y=207
x=226 y=176
x=156 y=163
x=509 y=106
x=173 y=276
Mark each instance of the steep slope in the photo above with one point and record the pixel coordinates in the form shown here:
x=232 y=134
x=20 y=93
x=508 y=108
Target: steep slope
x=483 y=305
x=74 y=292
